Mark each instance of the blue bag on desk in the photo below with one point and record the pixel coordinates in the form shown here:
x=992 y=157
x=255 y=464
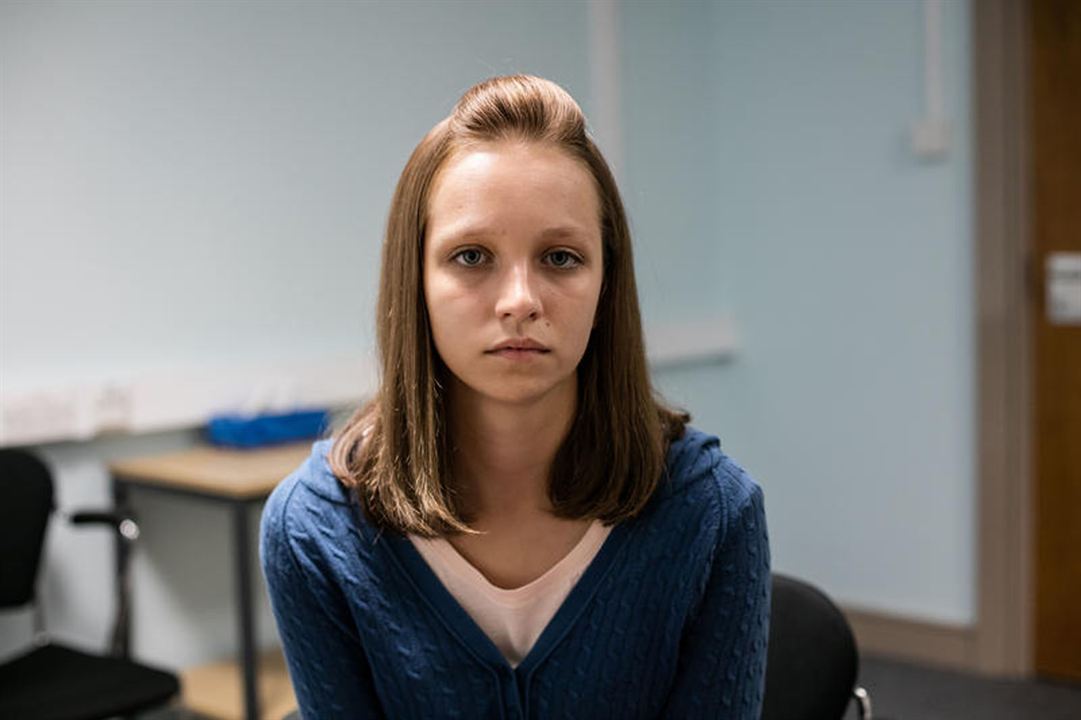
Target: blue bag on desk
x=261 y=430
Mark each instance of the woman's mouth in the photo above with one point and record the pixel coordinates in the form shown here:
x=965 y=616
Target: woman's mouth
x=518 y=353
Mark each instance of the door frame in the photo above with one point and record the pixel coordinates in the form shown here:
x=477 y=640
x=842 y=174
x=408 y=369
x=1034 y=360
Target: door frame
x=1005 y=277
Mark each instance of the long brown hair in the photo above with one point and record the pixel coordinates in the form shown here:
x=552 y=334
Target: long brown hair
x=394 y=451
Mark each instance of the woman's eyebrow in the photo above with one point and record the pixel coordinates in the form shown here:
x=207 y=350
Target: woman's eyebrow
x=556 y=232
x=562 y=231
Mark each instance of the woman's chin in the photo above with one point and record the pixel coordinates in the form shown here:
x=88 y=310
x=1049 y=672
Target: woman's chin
x=517 y=392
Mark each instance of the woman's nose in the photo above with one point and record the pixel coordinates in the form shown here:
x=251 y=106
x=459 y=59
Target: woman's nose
x=518 y=296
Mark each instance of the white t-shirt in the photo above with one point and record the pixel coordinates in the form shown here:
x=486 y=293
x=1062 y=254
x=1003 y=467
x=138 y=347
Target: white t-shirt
x=513 y=619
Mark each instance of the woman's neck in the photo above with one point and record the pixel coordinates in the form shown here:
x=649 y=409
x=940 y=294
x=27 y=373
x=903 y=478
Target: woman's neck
x=504 y=451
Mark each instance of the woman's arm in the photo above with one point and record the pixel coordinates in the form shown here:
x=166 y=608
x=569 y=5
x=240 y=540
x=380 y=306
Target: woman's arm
x=330 y=672
x=722 y=662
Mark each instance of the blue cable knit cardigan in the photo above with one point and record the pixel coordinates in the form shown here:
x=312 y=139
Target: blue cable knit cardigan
x=670 y=620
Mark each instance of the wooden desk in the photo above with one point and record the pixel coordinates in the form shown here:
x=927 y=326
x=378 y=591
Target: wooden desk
x=238 y=479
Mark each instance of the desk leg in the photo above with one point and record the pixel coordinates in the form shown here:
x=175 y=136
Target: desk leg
x=245 y=615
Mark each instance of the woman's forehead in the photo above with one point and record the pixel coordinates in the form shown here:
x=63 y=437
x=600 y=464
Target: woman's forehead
x=493 y=189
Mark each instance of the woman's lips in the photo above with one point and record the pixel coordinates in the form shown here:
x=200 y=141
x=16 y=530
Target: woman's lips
x=518 y=353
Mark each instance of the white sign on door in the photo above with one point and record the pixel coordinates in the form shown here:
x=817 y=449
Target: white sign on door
x=1064 y=288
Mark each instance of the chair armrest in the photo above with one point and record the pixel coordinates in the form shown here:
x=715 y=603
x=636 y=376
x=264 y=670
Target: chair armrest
x=121 y=520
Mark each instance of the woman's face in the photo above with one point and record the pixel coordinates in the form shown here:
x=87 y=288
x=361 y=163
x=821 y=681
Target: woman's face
x=512 y=251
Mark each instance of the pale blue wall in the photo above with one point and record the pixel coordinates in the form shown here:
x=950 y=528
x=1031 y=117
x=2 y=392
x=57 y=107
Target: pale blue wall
x=207 y=182
x=671 y=156
x=770 y=172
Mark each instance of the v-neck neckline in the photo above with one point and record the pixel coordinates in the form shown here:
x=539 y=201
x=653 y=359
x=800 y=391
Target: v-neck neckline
x=461 y=624
x=461 y=567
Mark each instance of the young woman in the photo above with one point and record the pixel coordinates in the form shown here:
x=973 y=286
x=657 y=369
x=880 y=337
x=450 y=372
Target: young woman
x=515 y=526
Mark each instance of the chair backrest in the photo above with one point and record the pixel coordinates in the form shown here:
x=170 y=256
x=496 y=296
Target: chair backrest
x=26 y=501
x=812 y=661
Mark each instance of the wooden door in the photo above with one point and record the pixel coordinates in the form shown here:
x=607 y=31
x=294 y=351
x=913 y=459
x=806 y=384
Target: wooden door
x=1055 y=141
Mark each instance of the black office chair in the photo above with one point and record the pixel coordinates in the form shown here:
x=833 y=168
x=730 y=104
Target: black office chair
x=52 y=681
x=812 y=661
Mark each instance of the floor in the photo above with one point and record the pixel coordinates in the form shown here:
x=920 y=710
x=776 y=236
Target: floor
x=902 y=691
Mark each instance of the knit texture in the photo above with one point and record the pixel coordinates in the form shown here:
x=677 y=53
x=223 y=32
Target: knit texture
x=670 y=620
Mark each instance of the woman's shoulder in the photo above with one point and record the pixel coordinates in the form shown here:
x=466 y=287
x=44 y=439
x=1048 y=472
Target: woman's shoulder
x=310 y=534
x=310 y=497
x=313 y=476
x=698 y=467
x=707 y=504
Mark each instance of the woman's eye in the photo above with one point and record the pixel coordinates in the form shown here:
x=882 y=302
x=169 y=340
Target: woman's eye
x=563 y=259
x=470 y=257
